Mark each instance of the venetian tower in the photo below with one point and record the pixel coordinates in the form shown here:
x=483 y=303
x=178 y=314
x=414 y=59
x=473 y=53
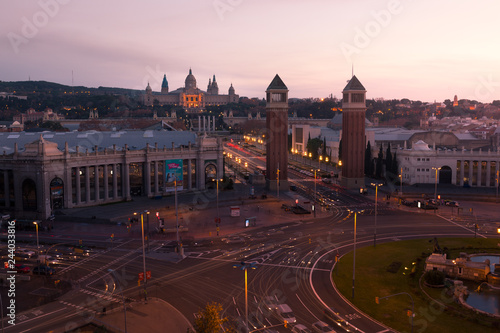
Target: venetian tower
x=353 y=134
x=277 y=135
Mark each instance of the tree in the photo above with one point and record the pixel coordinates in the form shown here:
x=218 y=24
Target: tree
x=324 y=147
x=388 y=158
x=209 y=320
x=313 y=146
x=368 y=159
x=395 y=165
x=380 y=159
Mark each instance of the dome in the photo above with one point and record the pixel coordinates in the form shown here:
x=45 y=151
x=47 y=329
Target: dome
x=148 y=88
x=190 y=82
x=231 y=90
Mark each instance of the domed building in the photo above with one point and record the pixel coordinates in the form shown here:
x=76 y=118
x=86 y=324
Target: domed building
x=190 y=96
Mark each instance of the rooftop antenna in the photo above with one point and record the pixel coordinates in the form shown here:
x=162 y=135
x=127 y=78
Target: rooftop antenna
x=72 y=84
x=352 y=69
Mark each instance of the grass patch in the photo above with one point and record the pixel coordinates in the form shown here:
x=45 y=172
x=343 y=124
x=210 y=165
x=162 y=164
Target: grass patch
x=373 y=279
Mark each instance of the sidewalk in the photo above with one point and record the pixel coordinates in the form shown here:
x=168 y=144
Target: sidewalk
x=154 y=316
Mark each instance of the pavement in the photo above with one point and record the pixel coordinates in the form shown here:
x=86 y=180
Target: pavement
x=154 y=316
x=197 y=212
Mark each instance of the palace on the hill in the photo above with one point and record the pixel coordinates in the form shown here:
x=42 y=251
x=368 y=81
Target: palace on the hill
x=190 y=96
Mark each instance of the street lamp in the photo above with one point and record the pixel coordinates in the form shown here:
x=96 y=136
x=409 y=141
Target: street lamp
x=356 y=212
x=37 y=243
x=314 y=205
x=217 y=195
x=144 y=256
x=123 y=298
x=244 y=267
x=376 y=204
x=497 y=187
x=436 y=184
x=319 y=162
x=326 y=161
x=278 y=182
x=310 y=156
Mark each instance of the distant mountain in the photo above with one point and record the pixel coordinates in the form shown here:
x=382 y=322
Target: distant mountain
x=44 y=87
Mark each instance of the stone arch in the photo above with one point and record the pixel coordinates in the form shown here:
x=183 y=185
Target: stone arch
x=29 y=195
x=445 y=175
x=210 y=173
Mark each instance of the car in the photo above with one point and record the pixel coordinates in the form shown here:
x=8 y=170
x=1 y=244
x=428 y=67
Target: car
x=43 y=270
x=22 y=268
x=299 y=328
x=270 y=302
x=452 y=204
x=335 y=319
x=285 y=313
x=25 y=252
x=322 y=327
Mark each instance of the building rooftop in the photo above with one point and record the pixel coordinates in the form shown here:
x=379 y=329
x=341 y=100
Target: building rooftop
x=136 y=140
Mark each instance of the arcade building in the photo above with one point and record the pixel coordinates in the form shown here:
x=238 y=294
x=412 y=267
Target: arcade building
x=40 y=173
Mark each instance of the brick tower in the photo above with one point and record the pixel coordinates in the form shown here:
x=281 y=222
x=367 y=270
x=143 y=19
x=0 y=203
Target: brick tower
x=353 y=134
x=277 y=135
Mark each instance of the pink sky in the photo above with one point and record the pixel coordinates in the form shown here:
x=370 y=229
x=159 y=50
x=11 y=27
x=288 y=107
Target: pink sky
x=422 y=50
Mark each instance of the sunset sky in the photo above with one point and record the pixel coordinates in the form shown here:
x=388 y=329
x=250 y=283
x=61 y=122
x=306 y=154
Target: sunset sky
x=423 y=50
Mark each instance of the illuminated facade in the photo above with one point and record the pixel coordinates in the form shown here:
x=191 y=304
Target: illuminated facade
x=190 y=96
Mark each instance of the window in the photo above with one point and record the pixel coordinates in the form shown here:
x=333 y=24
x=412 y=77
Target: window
x=418 y=159
x=418 y=170
x=357 y=98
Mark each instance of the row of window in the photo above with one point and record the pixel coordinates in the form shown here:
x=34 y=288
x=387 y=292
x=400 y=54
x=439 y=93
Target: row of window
x=422 y=170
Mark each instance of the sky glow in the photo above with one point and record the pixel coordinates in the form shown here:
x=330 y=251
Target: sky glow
x=422 y=50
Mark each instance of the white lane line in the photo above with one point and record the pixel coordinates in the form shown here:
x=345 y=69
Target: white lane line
x=461 y=226
x=37 y=317
x=306 y=307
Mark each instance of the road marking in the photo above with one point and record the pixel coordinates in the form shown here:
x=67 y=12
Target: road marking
x=458 y=225
x=48 y=313
x=306 y=307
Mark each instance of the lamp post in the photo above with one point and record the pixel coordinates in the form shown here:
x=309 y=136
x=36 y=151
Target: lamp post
x=401 y=184
x=244 y=267
x=436 y=184
x=37 y=243
x=497 y=186
x=217 y=195
x=278 y=182
x=147 y=228
x=179 y=244
x=376 y=206
x=377 y=300
x=310 y=156
x=314 y=204
x=354 y=252
x=144 y=258
x=326 y=161
x=123 y=298
x=319 y=162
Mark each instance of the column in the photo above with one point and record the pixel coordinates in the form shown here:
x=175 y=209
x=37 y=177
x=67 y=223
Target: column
x=96 y=182
x=471 y=168
x=488 y=173
x=214 y=122
x=147 y=177
x=6 y=188
x=479 y=173
x=126 y=181
x=115 y=182
x=68 y=187
x=105 y=180
x=87 y=184
x=78 y=186
x=157 y=190
x=204 y=123
x=462 y=167
x=199 y=123
x=189 y=174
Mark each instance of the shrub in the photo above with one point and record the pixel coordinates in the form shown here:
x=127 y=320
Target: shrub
x=434 y=278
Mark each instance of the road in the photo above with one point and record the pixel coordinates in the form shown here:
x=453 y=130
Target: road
x=294 y=261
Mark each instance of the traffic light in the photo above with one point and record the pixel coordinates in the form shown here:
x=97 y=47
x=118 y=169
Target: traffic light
x=377 y=300
x=285 y=324
x=409 y=313
x=158 y=215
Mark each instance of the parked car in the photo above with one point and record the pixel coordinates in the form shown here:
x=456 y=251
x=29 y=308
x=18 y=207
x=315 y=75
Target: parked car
x=25 y=252
x=22 y=268
x=43 y=270
x=322 y=327
x=299 y=328
x=285 y=313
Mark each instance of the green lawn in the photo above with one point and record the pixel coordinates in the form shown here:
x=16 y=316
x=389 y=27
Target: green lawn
x=373 y=279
